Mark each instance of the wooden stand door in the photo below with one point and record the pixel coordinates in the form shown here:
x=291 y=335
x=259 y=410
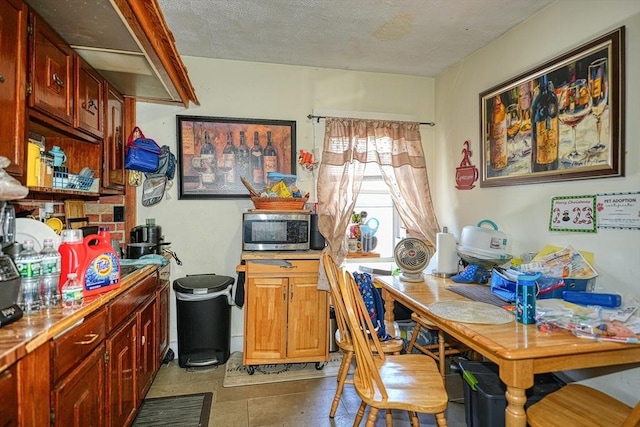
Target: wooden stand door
x=162 y=313
x=89 y=99
x=307 y=319
x=265 y=320
x=121 y=381
x=78 y=398
x=13 y=48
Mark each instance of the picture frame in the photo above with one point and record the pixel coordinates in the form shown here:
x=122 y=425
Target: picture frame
x=563 y=120
x=576 y=214
x=212 y=157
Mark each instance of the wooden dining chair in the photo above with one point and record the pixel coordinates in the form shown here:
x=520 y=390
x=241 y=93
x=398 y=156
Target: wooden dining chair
x=577 y=405
x=438 y=351
x=343 y=338
x=409 y=382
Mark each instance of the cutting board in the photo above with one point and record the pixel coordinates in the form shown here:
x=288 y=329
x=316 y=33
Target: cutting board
x=75 y=209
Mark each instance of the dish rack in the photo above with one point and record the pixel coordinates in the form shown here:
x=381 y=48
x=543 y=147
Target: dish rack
x=71 y=181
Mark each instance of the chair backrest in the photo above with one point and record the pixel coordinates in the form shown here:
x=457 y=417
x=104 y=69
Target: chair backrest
x=359 y=323
x=333 y=273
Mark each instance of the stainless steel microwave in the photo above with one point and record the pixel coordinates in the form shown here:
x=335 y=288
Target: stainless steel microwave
x=275 y=231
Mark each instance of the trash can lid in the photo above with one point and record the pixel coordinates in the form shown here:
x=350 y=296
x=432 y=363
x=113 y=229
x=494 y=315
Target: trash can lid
x=202 y=283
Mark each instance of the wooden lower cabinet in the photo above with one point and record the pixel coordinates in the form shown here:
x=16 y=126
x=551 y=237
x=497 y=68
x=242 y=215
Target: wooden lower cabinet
x=147 y=346
x=121 y=365
x=286 y=316
x=9 y=393
x=77 y=400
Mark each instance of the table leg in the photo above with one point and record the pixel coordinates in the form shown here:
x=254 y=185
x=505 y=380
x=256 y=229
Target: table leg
x=388 y=305
x=515 y=416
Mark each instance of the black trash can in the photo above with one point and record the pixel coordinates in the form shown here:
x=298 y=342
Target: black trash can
x=203 y=308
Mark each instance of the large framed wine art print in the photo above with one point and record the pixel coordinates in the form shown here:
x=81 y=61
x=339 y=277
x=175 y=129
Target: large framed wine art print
x=563 y=120
x=214 y=153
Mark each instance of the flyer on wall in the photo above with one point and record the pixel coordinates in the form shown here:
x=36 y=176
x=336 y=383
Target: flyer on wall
x=619 y=210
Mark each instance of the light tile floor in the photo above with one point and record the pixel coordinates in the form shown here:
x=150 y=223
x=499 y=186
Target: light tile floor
x=287 y=404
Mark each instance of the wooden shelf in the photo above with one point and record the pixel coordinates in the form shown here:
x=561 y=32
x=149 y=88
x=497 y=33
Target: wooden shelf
x=363 y=255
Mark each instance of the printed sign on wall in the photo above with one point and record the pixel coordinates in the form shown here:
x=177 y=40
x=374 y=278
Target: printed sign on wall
x=573 y=213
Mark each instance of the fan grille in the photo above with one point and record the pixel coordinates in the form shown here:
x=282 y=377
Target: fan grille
x=412 y=255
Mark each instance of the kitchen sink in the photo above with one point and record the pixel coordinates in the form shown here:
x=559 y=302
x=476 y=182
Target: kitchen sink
x=127 y=269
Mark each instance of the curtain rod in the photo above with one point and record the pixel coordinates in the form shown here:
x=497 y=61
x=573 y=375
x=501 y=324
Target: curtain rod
x=311 y=117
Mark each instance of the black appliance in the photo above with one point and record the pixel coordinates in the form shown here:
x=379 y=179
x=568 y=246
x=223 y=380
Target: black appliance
x=9 y=289
x=316 y=239
x=148 y=234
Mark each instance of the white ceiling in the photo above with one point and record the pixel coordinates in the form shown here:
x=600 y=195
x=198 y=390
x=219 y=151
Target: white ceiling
x=412 y=37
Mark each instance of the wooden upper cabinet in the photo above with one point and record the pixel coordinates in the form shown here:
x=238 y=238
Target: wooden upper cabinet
x=89 y=100
x=113 y=174
x=13 y=54
x=51 y=76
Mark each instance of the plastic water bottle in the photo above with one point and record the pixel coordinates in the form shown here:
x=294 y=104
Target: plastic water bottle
x=72 y=296
x=50 y=277
x=28 y=264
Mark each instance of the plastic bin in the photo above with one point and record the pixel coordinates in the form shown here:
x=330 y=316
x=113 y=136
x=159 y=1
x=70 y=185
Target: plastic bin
x=485 y=406
x=203 y=308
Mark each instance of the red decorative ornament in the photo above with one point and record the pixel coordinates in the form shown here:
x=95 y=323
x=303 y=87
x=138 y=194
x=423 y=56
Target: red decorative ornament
x=466 y=173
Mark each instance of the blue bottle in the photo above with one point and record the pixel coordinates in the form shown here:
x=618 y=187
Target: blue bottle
x=526 y=298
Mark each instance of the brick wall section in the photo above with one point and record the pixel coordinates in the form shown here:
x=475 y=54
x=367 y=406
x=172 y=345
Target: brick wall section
x=99 y=212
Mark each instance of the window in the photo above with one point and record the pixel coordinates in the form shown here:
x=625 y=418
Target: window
x=375 y=199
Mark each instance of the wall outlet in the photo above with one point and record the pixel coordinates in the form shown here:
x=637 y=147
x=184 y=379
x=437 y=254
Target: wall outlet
x=118 y=214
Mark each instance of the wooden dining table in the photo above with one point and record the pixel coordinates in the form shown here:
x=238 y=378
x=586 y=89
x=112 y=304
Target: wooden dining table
x=519 y=350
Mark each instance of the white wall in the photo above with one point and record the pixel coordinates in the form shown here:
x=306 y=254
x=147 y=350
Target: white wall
x=523 y=211
x=206 y=234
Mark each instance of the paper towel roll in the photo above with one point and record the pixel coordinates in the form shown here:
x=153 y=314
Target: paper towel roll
x=447 y=255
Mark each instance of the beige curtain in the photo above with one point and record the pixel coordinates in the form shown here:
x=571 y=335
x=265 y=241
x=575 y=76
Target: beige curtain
x=349 y=144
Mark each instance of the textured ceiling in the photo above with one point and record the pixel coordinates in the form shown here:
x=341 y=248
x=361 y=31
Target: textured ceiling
x=413 y=37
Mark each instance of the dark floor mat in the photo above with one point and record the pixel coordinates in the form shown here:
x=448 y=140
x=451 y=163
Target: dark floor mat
x=190 y=410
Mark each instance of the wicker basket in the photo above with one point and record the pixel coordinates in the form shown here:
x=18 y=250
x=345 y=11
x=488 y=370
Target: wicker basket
x=280 y=203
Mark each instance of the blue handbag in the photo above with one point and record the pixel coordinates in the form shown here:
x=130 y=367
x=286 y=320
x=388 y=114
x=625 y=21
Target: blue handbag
x=143 y=154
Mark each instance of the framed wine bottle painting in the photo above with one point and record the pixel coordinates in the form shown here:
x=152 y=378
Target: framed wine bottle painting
x=563 y=120
x=214 y=153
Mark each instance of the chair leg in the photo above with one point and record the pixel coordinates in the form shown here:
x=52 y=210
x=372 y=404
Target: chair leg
x=389 y=418
x=441 y=420
x=342 y=376
x=414 y=336
x=413 y=417
x=371 y=419
x=359 y=414
x=441 y=353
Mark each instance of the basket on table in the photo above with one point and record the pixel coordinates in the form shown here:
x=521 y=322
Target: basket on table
x=274 y=203
x=280 y=203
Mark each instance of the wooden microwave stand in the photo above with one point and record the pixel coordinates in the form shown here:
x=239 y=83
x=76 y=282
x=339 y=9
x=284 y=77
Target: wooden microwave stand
x=286 y=317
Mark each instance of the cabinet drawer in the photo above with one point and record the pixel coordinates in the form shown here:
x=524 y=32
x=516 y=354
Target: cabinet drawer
x=74 y=345
x=297 y=267
x=127 y=303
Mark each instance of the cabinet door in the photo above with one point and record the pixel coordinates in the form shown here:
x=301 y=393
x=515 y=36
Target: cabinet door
x=113 y=174
x=89 y=100
x=51 y=73
x=307 y=319
x=121 y=367
x=9 y=393
x=265 y=319
x=162 y=331
x=147 y=347
x=77 y=400
x=13 y=33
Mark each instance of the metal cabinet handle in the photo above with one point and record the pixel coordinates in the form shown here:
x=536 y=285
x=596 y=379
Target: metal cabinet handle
x=92 y=338
x=143 y=340
x=1 y=78
x=91 y=107
x=58 y=80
